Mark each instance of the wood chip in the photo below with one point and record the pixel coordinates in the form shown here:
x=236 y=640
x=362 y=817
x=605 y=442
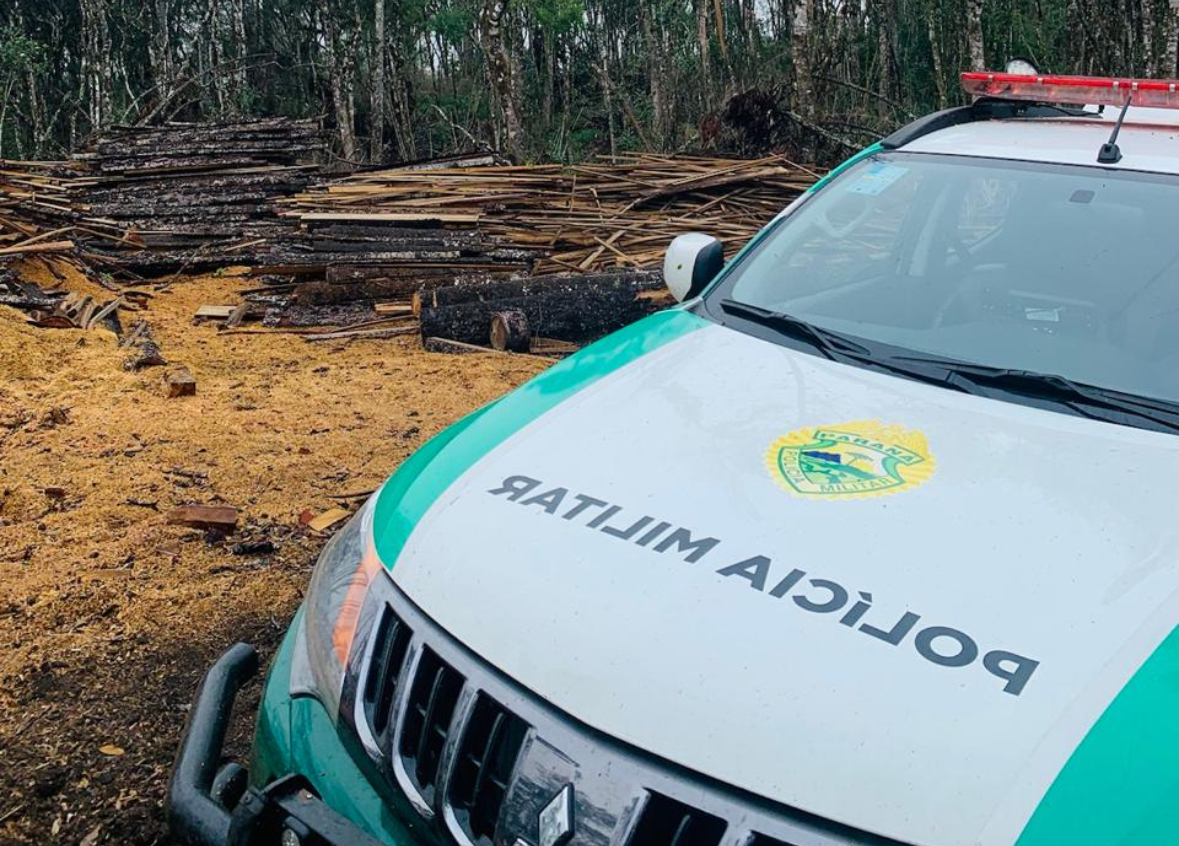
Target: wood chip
x=222 y=517
x=328 y=519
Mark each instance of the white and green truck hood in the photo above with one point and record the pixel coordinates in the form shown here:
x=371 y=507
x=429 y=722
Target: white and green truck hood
x=970 y=643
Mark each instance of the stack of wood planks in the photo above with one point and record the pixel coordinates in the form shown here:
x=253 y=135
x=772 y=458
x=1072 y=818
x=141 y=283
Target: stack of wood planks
x=37 y=207
x=343 y=242
x=154 y=200
x=616 y=213
x=196 y=196
x=468 y=252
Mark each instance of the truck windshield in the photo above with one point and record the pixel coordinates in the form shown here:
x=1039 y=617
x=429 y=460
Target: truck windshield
x=1066 y=271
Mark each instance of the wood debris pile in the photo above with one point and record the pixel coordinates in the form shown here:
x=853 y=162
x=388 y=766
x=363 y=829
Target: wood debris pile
x=469 y=252
x=196 y=196
x=617 y=213
x=143 y=201
x=546 y=314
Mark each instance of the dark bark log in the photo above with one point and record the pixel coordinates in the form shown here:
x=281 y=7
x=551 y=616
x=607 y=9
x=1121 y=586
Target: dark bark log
x=510 y=331
x=490 y=290
x=567 y=316
x=339 y=274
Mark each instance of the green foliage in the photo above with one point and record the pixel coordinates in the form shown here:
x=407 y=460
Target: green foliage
x=20 y=54
x=558 y=17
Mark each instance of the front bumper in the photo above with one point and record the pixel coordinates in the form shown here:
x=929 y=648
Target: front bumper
x=210 y=804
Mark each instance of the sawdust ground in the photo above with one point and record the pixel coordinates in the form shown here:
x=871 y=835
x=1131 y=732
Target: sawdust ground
x=107 y=615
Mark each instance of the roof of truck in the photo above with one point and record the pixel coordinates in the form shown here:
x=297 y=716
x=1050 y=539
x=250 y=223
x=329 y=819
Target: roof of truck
x=1146 y=147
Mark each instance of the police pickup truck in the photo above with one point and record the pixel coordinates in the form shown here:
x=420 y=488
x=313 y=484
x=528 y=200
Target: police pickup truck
x=870 y=541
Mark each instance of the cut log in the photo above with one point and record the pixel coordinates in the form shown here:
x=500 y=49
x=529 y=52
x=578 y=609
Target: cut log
x=484 y=289
x=566 y=316
x=327 y=293
x=510 y=332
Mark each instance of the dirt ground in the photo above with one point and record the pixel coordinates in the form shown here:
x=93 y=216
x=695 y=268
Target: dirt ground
x=108 y=616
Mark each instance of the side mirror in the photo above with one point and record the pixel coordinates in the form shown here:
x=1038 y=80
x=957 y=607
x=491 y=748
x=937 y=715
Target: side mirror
x=692 y=261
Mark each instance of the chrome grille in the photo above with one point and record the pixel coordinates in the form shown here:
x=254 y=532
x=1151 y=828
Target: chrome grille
x=427 y=719
x=472 y=758
x=389 y=653
x=666 y=822
x=491 y=744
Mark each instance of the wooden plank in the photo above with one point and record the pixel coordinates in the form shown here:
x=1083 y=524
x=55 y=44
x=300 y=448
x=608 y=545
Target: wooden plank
x=214 y=312
x=223 y=517
x=390 y=217
x=327 y=519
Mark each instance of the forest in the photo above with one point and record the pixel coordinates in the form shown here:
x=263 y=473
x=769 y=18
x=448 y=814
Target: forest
x=542 y=80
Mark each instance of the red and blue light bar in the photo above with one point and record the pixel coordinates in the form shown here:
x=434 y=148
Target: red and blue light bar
x=1083 y=90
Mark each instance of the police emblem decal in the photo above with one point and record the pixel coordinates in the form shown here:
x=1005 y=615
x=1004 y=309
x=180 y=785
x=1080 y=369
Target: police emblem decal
x=850 y=460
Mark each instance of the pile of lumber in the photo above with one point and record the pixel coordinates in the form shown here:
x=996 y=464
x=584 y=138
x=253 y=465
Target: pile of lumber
x=616 y=213
x=37 y=211
x=470 y=253
x=192 y=196
x=341 y=241
x=154 y=200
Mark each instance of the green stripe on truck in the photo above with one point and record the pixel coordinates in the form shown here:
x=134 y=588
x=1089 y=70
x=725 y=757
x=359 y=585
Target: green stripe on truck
x=426 y=474
x=1120 y=787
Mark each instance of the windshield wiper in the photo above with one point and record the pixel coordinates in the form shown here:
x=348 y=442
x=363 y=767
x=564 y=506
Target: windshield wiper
x=839 y=347
x=1086 y=400
x=827 y=343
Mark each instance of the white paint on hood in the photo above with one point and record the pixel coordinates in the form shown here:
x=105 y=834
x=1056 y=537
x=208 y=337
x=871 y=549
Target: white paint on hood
x=1040 y=533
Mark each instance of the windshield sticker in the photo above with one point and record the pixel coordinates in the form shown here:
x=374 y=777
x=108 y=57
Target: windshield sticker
x=850 y=460
x=876 y=178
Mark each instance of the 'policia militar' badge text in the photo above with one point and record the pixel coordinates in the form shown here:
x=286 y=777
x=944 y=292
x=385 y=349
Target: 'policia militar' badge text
x=850 y=460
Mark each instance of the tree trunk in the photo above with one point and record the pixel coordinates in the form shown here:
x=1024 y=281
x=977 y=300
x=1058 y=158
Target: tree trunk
x=655 y=73
x=702 y=41
x=719 y=14
x=550 y=73
x=800 y=24
x=888 y=12
x=1171 y=33
x=932 y=13
x=96 y=62
x=240 y=55
x=504 y=86
x=974 y=35
x=159 y=48
x=602 y=66
x=401 y=93
x=340 y=65
x=378 y=98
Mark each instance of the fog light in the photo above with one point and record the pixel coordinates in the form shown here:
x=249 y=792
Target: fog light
x=290 y=838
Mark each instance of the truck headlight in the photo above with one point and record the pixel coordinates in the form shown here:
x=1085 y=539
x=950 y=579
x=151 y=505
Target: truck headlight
x=342 y=576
